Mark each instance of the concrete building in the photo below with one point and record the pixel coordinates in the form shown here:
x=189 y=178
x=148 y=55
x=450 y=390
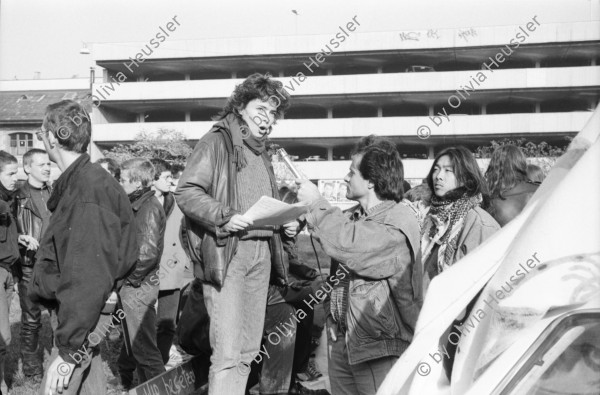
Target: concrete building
x=425 y=89
x=22 y=107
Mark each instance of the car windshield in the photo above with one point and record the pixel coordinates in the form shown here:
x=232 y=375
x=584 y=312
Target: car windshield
x=567 y=362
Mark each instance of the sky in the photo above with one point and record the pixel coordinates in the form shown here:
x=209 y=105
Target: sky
x=46 y=36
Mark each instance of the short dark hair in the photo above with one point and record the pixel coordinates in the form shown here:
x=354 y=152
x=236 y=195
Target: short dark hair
x=381 y=164
x=177 y=169
x=160 y=166
x=257 y=86
x=28 y=156
x=70 y=124
x=466 y=170
x=139 y=169
x=6 y=159
x=507 y=167
x=112 y=165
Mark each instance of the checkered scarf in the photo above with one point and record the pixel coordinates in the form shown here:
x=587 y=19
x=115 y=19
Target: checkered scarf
x=444 y=224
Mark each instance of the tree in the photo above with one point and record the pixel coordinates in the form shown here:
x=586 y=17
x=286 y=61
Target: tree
x=542 y=154
x=167 y=144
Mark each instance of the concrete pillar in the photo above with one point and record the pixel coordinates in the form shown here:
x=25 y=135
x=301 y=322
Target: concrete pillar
x=431 y=110
x=104 y=75
x=188 y=116
x=329 y=71
x=330 y=113
x=379 y=70
x=330 y=153
x=141 y=117
x=379 y=112
x=233 y=75
x=281 y=74
x=187 y=76
x=430 y=152
x=537 y=108
x=593 y=62
x=537 y=64
x=483 y=109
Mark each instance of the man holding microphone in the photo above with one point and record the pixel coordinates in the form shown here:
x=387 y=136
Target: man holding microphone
x=371 y=314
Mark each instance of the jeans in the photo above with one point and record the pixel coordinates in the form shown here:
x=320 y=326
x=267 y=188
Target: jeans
x=168 y=304
x=31 y=323
x=361 y=379
x=237 y=317
x=140 y=320
x=88 y=377
x=6 y=292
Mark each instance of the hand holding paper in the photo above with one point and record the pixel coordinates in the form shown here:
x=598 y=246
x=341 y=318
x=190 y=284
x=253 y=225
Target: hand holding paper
x=269 y=211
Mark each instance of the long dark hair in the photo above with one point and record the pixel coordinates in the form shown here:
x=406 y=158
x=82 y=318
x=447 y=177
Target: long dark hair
x=507 y=168
x=466 y=171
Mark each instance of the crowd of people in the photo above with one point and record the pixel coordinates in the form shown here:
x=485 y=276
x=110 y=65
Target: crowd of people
x=144 y=245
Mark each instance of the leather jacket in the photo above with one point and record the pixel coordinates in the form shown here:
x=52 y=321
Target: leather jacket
x=506 y=207
x=380 y=252
x=29 y=221
x=207 y=195
x=150 y=223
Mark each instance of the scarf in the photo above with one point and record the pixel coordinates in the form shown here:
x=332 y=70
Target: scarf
x=255 y=144
x=6 y=195
x=444 y=224
x=237 y=133
x=138 y=193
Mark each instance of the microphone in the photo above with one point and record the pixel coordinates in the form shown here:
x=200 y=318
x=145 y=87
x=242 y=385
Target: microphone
x=288 y=162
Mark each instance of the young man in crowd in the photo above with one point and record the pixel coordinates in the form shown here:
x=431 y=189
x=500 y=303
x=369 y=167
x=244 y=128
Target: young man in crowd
x=226 y=174
x=33 y=218
x=9 y=250
x=173 y=261
x=87 y=249
x=376 y=276
x=140 y=290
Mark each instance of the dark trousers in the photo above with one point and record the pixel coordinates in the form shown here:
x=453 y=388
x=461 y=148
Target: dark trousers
x=140 y=320
x=6 y=292
x=288 y=349
x=31 y=323
x=168 y=304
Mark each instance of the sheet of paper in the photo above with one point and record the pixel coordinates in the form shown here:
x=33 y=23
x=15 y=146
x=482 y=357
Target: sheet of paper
x=269 y=211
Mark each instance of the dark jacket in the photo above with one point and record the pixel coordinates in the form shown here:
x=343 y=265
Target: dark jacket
x=9 y=235
x=208 y=197
x=89 y=245
x=29 y=222
x=150 y=224
x=380 y=251
x=512 y=202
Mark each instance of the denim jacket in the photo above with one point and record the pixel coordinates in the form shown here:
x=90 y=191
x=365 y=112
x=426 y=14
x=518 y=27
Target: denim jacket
x=381 y=251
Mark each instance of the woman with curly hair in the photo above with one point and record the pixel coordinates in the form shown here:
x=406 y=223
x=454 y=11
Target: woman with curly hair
x=456 y=224
x=510 y=189
x=227 y=173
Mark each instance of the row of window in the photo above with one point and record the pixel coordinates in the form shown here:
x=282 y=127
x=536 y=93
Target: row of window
x=351 y=69
x=366 y=111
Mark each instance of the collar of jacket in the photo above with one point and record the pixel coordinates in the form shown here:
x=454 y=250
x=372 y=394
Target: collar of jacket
x=137 y=204
x=64 y=180
x=169 y=204
x=358 y=212
x=24 y=196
